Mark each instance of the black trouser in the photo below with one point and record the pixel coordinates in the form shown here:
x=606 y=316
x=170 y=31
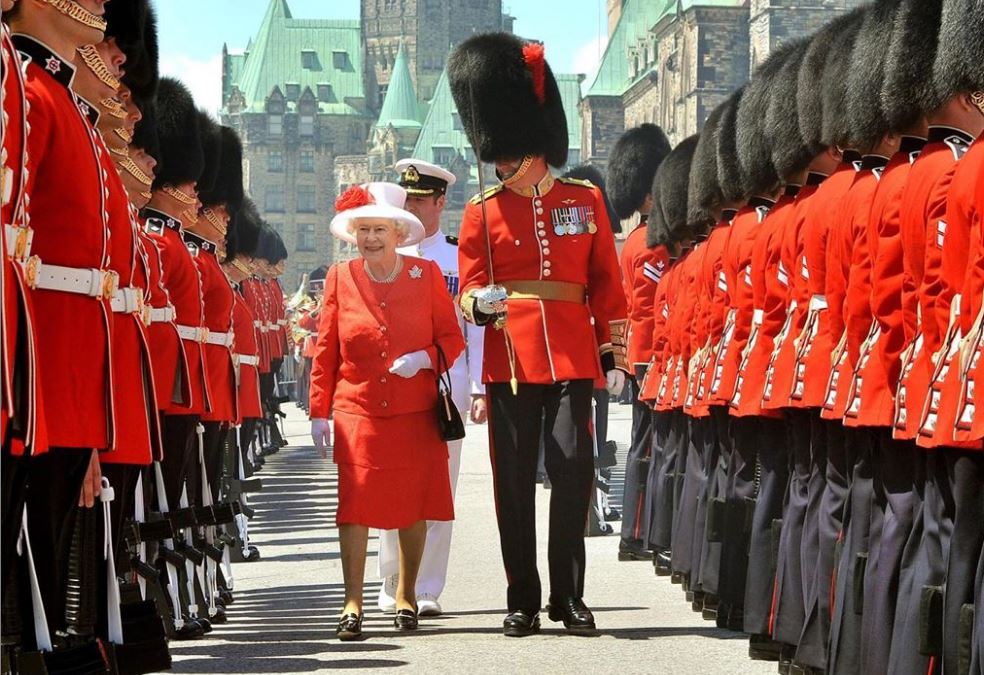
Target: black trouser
x=966 y=473
x=896 y=502
x=845 y=627
x=789 y=610
x=637 y=472
x=247 y=432
x=709 y=460
x=662 y=477
x=123 y=479
x=812 y=650
x=213 y=445
x=13 y=475
x=180 y=457
x=562 y=413
x=54 y=484
x=773 y=470
x=744 y=434
x=685 y=515
x=718 y=487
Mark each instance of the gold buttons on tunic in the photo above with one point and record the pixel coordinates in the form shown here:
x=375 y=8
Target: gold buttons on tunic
x=382 y=380
x=382 y=328
x=382 y=305
x=383 y=404
x=382 y=355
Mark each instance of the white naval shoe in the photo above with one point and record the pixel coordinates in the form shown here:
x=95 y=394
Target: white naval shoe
x=386 y=601
x=427 y=605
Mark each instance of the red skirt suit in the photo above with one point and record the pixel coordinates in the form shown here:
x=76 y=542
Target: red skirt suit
x=392 y=462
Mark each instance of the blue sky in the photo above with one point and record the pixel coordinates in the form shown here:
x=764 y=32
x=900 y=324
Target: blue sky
x=192 y=33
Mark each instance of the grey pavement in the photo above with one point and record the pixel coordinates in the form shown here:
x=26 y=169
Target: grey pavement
x=286 y=604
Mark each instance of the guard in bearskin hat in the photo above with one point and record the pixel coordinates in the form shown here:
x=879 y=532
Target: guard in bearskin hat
x=631 y=170
x=550 y=299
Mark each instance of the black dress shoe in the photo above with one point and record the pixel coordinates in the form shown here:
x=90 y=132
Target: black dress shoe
x=405 y=619
x=521 y=623
x=575 y=615
x=226 y=597
x=661 y=561
x=709 y=608
x=349 y=627
x=204 y=623
x=697 y=601
x=219 y=616
x=763 y=648
x=611 y=515
x=626 y=553
x=191 y=630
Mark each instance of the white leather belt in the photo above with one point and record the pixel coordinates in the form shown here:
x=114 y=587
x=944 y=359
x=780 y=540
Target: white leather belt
x=281 y=322
x=758 y=316
x=127 y=300
x=89 y=281
x=19 y=240
x=161 y=314
x=248 y=359
x=818 y=302
x=221 y=339
x=193 y=333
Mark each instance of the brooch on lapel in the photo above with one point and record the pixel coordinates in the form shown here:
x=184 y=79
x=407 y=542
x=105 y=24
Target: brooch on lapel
x=416 y=272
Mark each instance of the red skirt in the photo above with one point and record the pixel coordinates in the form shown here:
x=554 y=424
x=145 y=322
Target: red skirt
x=392 y=471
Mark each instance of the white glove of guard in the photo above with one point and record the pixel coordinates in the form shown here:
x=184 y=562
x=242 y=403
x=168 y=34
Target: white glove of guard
x=321 y=434
x=615 y=381
x=410 y=364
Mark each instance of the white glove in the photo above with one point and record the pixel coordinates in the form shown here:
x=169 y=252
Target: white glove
x=615 y=381
x=321 y=434
x=410 y=364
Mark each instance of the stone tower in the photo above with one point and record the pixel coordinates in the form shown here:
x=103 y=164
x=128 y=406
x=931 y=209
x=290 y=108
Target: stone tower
x=773 y=22
x=427 y=29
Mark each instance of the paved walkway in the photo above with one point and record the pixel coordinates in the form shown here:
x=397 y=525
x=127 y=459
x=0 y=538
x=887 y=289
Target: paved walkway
x=286 y=604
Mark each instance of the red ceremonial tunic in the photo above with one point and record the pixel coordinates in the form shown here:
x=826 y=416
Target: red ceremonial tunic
x=67 y=211
x=559 y=232
x=642 y=268
x=19 y=343
x=392 y=460
x=737 y=272
x=170 y=362
x=183 y=282
x=278 y=328
x=137 y=438
x=813 y=346
x=217 y=301
x=253 y=293
x=649 y=388
x=971 y=399
x=769 y=283
x=689 y=335
x=847 y=252
x=713 y=293
x=247 y=357
x=923 y=206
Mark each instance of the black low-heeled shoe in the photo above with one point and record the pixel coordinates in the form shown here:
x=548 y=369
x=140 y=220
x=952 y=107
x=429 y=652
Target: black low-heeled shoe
x=405 y=619
x=349 y=627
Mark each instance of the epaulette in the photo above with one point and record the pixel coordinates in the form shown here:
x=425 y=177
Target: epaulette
x=451 y=240
x=576 y=181
x=490 y=192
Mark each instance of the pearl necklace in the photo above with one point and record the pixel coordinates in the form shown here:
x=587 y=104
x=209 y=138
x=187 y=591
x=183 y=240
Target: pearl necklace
x=392 y=275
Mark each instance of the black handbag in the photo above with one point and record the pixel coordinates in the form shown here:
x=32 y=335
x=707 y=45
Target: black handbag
x=448 y=419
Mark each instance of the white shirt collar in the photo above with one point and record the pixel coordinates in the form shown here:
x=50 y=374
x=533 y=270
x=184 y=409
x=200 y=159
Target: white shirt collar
x=431 y=241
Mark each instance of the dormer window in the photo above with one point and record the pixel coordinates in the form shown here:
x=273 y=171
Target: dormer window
x=293 y=90
x=309 y=60
x=340 y=60
x=325 y=93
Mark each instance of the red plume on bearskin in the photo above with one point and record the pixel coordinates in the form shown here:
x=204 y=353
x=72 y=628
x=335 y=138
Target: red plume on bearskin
x=536 y=63
x=353 y=198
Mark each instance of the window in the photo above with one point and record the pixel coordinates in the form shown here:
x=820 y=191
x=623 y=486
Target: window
x=309 y=60
x=275 y=125
x=307 y=239
x=274 y=202
x=306 y=159
x=443 y=155
x=340 y=60
x=293 y=91
x=306 y=126
x=275 y=160
x=305 y=199
x=470 y=155
x=325 y=92
x=456 y=121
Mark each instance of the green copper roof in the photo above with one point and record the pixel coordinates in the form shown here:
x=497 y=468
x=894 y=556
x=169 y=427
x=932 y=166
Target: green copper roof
x=442 y=133
x=400 y=107
x=308 y=52
x=638 y=16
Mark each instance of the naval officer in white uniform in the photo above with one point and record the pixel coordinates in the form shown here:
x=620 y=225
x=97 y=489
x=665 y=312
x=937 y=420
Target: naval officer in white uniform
x=426 y=186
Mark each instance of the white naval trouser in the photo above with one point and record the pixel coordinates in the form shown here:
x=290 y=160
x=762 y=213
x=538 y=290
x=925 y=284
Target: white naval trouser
x=434 y=566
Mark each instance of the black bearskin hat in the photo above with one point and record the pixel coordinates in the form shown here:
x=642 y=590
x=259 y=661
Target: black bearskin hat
x=212 y=148
x=271 y=247
x=790 y=153
x=909 y=92
x=632 y=166
x=145 y=132
x=668 y=218
x=704 y=196
x=228 y=185
x=243 y=235
x=729 y=172
x=809 y=92
x=836 y=130
x=865 y=115
x=182 y=158
x=959 y=66
x=508 y=99
x=592 y=174
x=758 y=175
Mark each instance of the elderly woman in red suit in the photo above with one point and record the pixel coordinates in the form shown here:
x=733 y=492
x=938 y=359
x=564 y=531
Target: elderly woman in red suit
x=384 y=319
